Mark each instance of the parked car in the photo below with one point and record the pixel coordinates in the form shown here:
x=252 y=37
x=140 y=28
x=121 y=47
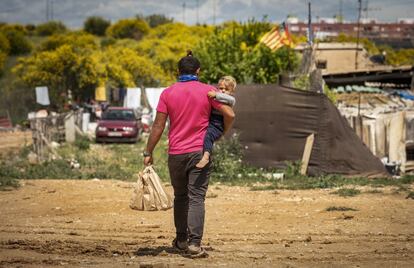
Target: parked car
x=146 y=120
x=119 y=124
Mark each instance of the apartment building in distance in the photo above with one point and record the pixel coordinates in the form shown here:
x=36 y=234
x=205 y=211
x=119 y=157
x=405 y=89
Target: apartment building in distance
x=398 y=34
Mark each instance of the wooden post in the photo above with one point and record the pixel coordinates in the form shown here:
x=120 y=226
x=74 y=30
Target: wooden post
x=316 y=81
x=70 y=133
x=307 y=153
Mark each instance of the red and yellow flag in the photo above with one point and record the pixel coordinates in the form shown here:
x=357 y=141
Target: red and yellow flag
x=277 y=37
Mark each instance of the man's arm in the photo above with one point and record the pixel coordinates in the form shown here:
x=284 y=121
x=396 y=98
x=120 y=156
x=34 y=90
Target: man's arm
x=228 y=117
x=155 y=135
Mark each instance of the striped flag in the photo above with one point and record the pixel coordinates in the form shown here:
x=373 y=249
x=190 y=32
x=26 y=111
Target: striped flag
x=277 y=37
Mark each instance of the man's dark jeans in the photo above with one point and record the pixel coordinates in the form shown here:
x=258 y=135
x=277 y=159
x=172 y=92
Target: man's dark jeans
x=190 y=187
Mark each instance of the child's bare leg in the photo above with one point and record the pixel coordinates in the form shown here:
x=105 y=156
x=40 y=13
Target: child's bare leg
x=204 y=160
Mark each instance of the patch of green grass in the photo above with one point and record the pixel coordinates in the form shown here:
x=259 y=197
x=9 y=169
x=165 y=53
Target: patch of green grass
x=8 y=177
x=347 y=192
x=102 y=161
x=82 y=143
x=124 y=161
x=336 y=181
x=334 y=208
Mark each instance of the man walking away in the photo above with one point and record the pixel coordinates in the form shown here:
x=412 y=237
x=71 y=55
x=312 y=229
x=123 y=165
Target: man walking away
x=188 y=107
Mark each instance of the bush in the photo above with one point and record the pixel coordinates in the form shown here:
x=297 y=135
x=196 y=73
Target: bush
x=13 y=27
x=234 y=49
x=226 y=159
x=75 y=39
x=8 y=176
x=96 y=25
x=128 y=28
x=332 y=95
x=51 y=27
x=30 y=28
x=3 y=57
x=4 y=44
x=19 y=44
x=106 y=42
x=82 y=143
x=303 y=82
x=155 y=20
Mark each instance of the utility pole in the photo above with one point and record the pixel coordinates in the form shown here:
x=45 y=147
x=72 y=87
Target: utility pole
x=310 y=34
x=214 y=12
x=358 y=32
x=51 y=10
x=184 y=12
x=341 y=15
x=197 y=12
x=47 y=10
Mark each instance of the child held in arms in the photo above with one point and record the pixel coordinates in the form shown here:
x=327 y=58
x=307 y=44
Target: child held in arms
x=227 y=87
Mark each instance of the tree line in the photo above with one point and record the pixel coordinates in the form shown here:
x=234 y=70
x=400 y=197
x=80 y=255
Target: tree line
x=143 y=51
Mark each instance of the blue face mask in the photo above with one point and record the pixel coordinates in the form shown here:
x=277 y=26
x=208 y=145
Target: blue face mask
x=187 y=77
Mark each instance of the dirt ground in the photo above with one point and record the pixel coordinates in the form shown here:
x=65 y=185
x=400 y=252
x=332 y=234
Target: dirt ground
x=12 y=141
x=48 y=223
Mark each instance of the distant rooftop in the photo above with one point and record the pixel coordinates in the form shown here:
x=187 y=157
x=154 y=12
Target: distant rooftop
x=333 y=20
x=333 y=45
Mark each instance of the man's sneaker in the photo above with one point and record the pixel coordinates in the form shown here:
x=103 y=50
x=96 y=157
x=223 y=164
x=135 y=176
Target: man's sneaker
x=196 y=251
x=180 y=245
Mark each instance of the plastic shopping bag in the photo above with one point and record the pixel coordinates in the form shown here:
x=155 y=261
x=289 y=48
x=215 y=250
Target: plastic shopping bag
x=149 y=193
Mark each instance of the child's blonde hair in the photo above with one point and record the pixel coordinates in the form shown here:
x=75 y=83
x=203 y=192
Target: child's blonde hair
x=229 y=82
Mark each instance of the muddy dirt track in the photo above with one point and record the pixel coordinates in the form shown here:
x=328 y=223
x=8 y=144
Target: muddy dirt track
x=50 y=223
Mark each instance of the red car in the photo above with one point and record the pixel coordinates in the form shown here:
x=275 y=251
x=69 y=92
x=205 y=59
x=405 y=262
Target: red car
x=119 y=124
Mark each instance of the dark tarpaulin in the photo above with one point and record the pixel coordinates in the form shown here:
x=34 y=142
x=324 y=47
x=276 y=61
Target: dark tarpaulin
x=274 y=122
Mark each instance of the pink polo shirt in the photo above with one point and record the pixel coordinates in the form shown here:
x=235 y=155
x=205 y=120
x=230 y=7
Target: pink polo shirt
x=188 y=108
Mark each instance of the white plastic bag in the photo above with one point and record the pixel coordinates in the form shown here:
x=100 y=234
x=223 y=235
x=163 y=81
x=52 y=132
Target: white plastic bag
x=149 y=194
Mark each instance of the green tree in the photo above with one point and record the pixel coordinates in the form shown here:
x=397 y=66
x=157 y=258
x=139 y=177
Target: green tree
x=13 y=27
x=3 y=57
x=368 y=45
x=96 y=25
x=4 y=44
x=75 y=39
x=155 y=20
x=18 y=42
x=61 y=70
x=51 y=27
x=393 y=57
x=167 y=43
x=235 y=50
x=128 y=28
x=398 y=57
x=142 y=70
x=81 y=69
x=30 y=28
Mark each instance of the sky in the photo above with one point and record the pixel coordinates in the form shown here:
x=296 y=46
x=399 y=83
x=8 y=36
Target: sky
x=74 y=12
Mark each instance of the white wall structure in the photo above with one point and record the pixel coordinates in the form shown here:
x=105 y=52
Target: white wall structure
x=153 y=96
x=132 y=98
